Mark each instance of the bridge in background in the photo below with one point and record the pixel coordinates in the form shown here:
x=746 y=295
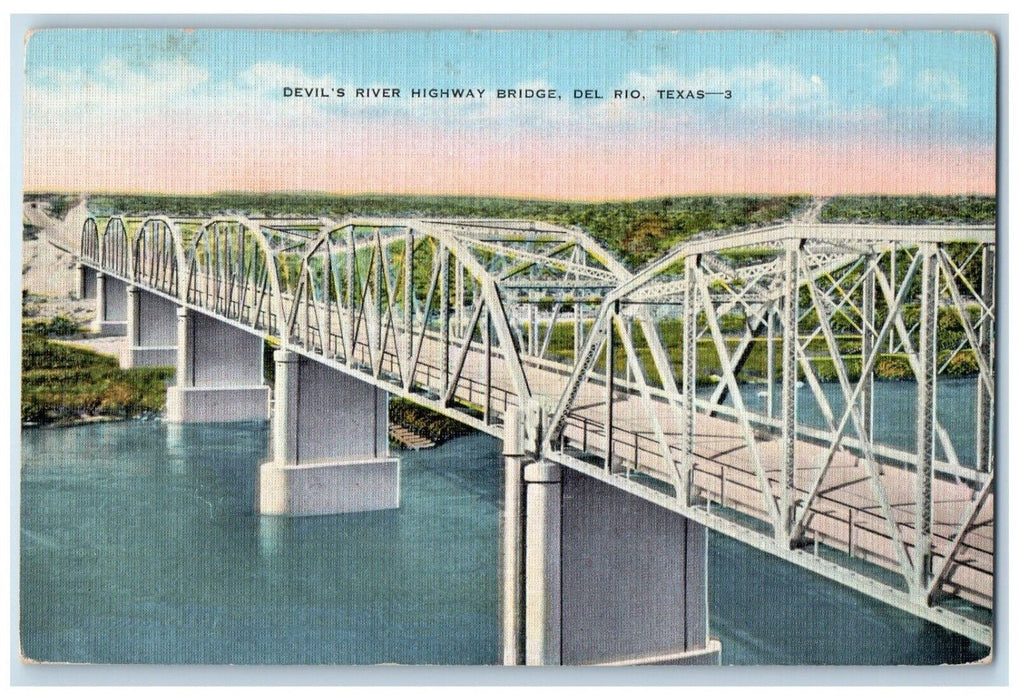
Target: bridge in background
x=628 y=403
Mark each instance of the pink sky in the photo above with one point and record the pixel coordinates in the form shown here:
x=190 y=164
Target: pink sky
x=576 y=166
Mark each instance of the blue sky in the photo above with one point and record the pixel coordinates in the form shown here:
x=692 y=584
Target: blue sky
x=908 y=90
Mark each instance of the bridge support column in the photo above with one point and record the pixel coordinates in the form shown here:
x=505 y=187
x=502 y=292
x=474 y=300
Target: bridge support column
x=219 y=373
x=512 y=540
x=151 y=330
x=543 y=566
x=330 y=443
x=609 y=578
x=111 y=306
x=86 y=281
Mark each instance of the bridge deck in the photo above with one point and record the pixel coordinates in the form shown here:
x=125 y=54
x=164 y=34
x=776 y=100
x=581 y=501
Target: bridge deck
x=844 y=517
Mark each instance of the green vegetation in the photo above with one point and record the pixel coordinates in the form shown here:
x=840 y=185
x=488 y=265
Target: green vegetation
x=749 y=256
x=60 y=205
x=57 y=327
x=755 y=364
x=917 y=209
x=65 y=385
x=434 y=426
x=636 y=231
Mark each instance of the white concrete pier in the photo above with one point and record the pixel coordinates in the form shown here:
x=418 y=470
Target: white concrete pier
x=219 y=373
x=111 y=305
x=634 y=579
x=151 y=330
x=606 y=577
x=330 y=444
x=86 y=281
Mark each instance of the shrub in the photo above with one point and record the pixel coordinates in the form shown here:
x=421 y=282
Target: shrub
x=58 y=326
x=964 y=363
x=894 y=367
x=424 y=422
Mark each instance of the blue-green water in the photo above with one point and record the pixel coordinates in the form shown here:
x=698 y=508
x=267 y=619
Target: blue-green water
x=895 y=405
x=140 y=544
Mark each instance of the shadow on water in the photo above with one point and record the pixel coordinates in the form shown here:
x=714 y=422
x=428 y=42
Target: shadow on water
x=767 y=611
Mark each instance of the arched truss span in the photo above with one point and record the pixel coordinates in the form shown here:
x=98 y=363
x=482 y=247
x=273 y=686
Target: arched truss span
x=116 y=250
x=89 y=248
x=158 y=255
x=233 y=271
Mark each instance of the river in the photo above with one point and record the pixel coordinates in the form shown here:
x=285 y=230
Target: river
x=139 y=543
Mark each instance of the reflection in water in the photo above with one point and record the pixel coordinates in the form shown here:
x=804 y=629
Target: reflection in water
x=141 y=544
x=274 y=536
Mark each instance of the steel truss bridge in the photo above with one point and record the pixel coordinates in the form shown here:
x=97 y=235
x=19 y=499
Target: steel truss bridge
x=652 y=381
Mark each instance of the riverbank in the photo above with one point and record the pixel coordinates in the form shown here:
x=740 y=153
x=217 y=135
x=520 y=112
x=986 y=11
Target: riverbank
x=425 y=423
x=65 y=385
x=68 y=378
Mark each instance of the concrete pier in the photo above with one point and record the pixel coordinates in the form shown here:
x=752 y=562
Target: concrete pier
x=330 y=444
x=543 y=588
x=111 y=305
x=634 y=578
x=151 y=330
x=607 y=577
x=86 y=282
x=512 y=542
x=219 y=373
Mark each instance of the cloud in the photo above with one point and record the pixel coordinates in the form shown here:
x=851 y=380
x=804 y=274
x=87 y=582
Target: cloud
x=270 y=77
x=766 y=97
x=115 y=88
x=774 y=86
x=764 y=85
x=163 y=76
x=888 y=72
x=942 y=86
x=535 y=112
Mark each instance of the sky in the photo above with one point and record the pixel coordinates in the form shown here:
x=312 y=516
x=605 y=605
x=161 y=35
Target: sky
x=807 y=111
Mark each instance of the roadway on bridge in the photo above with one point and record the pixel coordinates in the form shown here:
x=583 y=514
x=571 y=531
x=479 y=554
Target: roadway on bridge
x=845 y=516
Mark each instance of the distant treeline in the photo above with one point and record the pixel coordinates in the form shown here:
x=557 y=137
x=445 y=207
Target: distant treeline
x=919 y=209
